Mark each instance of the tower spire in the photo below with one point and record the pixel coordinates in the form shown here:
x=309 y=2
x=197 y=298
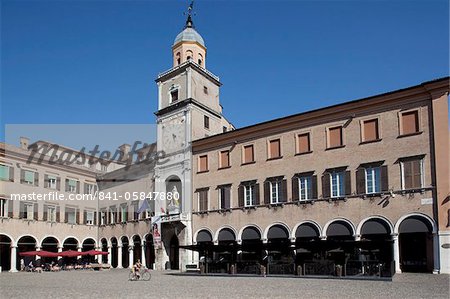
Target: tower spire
x=189 y=22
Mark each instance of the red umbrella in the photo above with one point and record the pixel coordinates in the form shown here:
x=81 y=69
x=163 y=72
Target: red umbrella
x=41 y=253
x=70 y=253
x=95 y=252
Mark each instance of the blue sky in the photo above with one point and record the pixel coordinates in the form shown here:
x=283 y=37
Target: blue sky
x=94 y=62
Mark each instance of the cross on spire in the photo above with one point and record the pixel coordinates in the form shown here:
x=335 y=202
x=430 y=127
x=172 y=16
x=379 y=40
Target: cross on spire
x=189 y=22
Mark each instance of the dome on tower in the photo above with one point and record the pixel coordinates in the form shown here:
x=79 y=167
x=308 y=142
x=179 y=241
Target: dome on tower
x=189 y=34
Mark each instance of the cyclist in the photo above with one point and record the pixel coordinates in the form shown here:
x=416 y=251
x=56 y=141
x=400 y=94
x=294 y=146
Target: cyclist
x=137 y=268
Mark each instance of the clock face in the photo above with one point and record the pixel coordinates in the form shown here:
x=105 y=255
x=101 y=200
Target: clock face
x=173 y=136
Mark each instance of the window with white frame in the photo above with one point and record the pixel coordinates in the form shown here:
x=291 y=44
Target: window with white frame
x=275 y=192
x=28 y=177
x=3 y=212
x=102 y=217
x=88 y=188
x=71 y=185
x=373 y=180
x=305 y=187
x=51 y=182
x=4 y=173
x=123 y=213
x=89 y=218
x=337 y=184
x=249 y=193
x=412 y=173
x=112 y=215
x=51 y=213
x=28 y=211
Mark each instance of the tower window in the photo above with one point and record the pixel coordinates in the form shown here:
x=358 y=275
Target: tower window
x=206 y=122
x=205 y=89
x=189 y=54
x=178 y=57
x=200 y=59
x=174 y=96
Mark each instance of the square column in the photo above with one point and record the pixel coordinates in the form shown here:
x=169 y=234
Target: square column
x=13 y=259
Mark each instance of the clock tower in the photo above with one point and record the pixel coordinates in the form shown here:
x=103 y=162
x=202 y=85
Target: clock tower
x=188 y=109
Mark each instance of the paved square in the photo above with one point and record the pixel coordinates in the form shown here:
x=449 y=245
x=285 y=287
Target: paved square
x=115 y=284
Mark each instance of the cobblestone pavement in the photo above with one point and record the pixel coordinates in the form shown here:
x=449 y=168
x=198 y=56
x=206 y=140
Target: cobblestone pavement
x=115 y=284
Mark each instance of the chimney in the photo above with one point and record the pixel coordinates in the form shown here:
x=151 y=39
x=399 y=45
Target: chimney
x=24 y=143
x=125 y=150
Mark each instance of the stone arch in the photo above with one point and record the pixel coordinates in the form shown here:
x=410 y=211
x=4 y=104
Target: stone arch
x=202 y=229
x=311 y=222
x=241 y=231
x=216 y=235
x=326 y=226
x=428 y=218
x=377 y=217
x=282 y=224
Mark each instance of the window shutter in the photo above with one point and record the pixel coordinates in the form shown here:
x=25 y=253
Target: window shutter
x=66 y=185
x=274 y=148
x=84 y=216
x=58 y=184
x=410 y=122
x=241 y=196
x=77 y=216
x=78 y=186
x=348 y=183
x=21 y=209
x=266 y=192
x=45 y=184
x=407 y=171
x=45 y=213
x=257 y=200
x=66 y=215
x=22 y=176
x=417 y=177
x=384 y=178
x=11 y=173
x=35 y=211
x=116 y=217
x=10 y=208
x=36 y=179
x=314 y=186
x=95 y=217
x=58 y=217
x=335 y=137
x=370 y=130
x=361 y=181
x=303 y=143
x=284 y=191
x=326 y=185
x=295 y=190
x=126 y=214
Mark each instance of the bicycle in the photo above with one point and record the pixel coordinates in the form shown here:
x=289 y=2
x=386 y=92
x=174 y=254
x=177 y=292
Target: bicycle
x=144 y=274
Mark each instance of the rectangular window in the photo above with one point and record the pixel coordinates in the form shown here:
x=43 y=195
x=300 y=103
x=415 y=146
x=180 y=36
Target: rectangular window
x=71 y=216
x=373 y=180
x=174 y=96
x=102 y=217
x=51 y=213
x=274 y=149
x=206 y=121
x=412 y=171
x=370 y=130
x=71 y=185
x=88 y=188
x=203 y=200
x=29 y=177
x=123 y=213
x=51 y=182
x=337 y=184
x=203 y=163
x=28 y=211
x=104 y=167
x=275 y=192
x=303 y=143
x=305 y=187
x=2 y=207
x=89 y=218
x=249 y=193
x=205 y=90
x=225 y=197
x=335 y=137
x=112 y=215
x=224 y=129
x=248 y=154
x=4 y=173
x=410 y=122
x=224 y=159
